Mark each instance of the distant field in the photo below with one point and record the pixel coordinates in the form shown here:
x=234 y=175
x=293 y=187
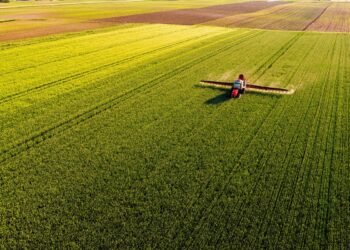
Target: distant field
x=44 y=18
x=108 y=141
x=19 y=21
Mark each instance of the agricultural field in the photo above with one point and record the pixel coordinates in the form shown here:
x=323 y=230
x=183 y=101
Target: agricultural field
x=107 y=139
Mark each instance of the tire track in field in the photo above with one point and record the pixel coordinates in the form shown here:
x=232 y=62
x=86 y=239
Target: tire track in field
x=28 y=143
x=193 y=133
x=321 y=227
x=314 y=87
x=248 y=22
x=96 y=69
x=313 y=150
x=283 y=178
x=317 y=17
x=334 y=119
x=285 y=174
x=270 y=61
x=275 y=57
x=317 y=132
x=282 y=183
x=93 y=70
x=91 y=51
x=347 y=146
x=237 y=42
x=248 y=19
x=206 y=210
x=261 y=71
x=239 y=206
x=309 y=172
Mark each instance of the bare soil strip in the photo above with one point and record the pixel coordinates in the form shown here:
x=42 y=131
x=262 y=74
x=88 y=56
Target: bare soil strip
x=50 y=30
x=194 y=16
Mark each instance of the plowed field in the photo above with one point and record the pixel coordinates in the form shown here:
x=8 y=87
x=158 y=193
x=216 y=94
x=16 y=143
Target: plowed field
x=195 y=16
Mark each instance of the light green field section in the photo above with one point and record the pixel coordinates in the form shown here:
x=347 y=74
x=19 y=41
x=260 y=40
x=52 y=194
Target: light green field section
x=32 y=15
x=106 y=140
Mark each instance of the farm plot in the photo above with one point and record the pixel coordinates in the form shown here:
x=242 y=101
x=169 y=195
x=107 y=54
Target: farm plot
x=19 y=21
x=335 y=19
x=292 y=16
x=195 y=16
x=112 y=144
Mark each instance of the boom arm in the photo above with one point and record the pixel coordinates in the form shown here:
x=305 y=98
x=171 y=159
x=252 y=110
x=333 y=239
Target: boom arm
x=250 y=86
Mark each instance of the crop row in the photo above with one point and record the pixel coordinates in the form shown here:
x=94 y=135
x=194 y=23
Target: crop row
x=80 y=97
x=103 y=83
x=111 y=66
x=147 y=156
x=64 y=68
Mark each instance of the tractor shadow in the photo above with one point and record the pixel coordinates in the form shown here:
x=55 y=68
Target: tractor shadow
x=218 y=99
x=223 y=97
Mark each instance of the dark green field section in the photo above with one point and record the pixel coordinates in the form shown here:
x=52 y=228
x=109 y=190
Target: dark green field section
x=113 y=144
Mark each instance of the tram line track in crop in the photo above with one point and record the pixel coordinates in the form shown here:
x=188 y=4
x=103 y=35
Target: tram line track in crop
x=281 y=186
x=271 y=141
x=97 y=69
x=266 y=153
x=82 y=117
x=98 y=50
x=274 y=58
x=247 y=146
x=311 y=140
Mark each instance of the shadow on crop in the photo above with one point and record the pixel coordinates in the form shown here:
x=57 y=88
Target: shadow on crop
x=218 y=99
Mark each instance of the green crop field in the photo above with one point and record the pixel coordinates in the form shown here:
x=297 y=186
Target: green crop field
x=107 y=139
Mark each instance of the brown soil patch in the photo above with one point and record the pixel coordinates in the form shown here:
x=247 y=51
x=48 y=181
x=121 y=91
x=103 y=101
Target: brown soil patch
x=50 y=30
x=185 y=17
x=294 y=16
x=334 y=19
x=194 y=16
x=29 y=16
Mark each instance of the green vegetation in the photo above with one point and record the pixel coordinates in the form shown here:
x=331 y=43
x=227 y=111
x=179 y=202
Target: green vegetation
x=107 y=141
